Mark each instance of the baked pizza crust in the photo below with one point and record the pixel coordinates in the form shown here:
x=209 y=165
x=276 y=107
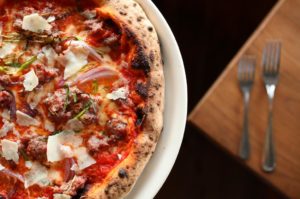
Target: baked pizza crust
x=134 y=22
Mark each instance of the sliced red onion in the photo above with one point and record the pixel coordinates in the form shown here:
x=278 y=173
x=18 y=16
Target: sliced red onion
x=12 y=106
x=69 y=174
x=95 y=74
x=92 y=51
x=13 y=190
x=12 y=174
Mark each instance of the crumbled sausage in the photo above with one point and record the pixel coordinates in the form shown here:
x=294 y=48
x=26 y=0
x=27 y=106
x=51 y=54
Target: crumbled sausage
x=62 y=107
x=5 y=80
x=88 y=118
x=116 y=129
x=45 y=74
x=55 y=104
x=72 y=187
x=37 y=148
x=5 y=98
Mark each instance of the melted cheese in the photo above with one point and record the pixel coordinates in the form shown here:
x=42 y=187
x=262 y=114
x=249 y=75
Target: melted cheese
x=74 y=59
x=7 y=48
x=55 y=149
x=30 y=81
x=10 y=150
x=84 y=160
x=7 y=126
x=26 y=120
x=38 y=174
x=50 y=54
x=35 y=23
x=120 y=93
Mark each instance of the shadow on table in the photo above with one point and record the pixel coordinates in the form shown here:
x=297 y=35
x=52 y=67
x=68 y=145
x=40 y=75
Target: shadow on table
x=209 y=33
x=203 y=170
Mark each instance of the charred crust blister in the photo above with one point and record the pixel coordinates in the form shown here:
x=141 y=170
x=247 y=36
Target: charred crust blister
x=123 y=13
x=123 y=173
x=140 y=60
x=142 y=90
x=141 y=114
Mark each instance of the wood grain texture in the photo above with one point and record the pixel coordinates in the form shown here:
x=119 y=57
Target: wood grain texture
x=220 y=112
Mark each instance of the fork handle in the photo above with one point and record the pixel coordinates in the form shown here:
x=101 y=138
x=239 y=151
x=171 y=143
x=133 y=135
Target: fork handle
x=269 y=160
x=245 y=145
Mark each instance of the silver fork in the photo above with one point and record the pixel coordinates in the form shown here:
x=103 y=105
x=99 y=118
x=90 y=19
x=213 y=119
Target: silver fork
x=271 y=65
x=246 y=72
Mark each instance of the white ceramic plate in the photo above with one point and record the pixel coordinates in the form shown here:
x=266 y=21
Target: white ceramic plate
x=175 y=114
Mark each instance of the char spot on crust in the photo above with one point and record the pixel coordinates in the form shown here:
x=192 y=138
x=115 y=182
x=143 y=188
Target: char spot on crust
x=141 y=115
x=139 y=19
x=151 y=138
x=140 y=61
x=151 y=109
x=129 y=34
x=123 y=13
x=142 y=90
x=123 y=173
x=150 y=29
x=152 y=56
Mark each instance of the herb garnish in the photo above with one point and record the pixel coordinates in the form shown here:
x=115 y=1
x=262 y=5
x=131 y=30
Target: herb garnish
x=75 y=97
x=87 y=106
x=27 y=63
x=67 y=97
x=24 y=155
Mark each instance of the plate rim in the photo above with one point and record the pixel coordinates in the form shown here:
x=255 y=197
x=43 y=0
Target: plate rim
x=168 y=38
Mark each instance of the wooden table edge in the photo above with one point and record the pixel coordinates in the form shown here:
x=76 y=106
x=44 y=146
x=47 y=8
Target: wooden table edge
x=243 y=49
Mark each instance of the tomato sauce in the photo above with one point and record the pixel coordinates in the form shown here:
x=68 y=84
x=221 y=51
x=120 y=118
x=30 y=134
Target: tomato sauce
x=110 y=35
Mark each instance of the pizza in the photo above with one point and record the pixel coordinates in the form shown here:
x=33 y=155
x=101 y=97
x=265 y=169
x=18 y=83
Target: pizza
x=81 y=97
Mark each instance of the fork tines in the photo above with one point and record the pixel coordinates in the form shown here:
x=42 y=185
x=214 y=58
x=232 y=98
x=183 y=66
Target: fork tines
x=271 y=57
x=246 y=68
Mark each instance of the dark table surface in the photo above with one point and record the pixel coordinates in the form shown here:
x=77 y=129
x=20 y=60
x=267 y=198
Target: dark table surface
x=209 y=33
